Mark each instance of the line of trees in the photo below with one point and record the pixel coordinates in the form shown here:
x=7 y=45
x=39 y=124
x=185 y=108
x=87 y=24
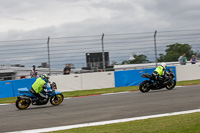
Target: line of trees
x=173 y=52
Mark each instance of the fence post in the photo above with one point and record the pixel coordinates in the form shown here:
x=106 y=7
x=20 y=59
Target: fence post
x=103 y=57
x=155 y=47
x=48 y=55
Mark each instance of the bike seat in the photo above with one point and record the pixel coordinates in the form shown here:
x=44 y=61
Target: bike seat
x=31 y=91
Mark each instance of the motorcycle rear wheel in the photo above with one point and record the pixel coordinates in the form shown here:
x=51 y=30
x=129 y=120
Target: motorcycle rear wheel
x=171 y=85
x=145 y=86
x=57 y=99
x=22 y=103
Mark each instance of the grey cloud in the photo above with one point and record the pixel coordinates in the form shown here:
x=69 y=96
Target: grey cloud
x=125 y=17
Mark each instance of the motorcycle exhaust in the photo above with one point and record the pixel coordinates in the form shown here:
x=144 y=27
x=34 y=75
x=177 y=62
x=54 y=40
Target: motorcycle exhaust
x=23 y=97
x=167 y=82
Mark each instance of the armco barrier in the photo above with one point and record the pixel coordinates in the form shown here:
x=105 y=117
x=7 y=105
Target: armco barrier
x=133 y=77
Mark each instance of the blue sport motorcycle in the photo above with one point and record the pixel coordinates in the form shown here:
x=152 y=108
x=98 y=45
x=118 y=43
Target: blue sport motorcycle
x=25 y=97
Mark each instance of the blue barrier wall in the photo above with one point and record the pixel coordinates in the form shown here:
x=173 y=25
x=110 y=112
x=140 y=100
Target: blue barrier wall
x=133 y=77
x=122 y=78
x=21 y=84
x=6 y=89
x=10 y=88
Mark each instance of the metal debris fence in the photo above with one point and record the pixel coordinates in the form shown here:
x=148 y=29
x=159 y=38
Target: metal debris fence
x=53 y=52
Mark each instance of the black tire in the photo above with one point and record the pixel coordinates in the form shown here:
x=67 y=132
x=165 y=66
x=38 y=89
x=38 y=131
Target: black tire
x=22 y=103
x=57 y=99
x=145 y=86
x=171 y=85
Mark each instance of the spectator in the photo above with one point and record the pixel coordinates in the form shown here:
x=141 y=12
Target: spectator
x=33 y=72
x=182 y=59
x=66 y=70
x=193 y=60
x=22 y=77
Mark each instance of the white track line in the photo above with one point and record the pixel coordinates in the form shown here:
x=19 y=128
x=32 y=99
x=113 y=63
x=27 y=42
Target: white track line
x=104 y=122
x=179 y=86
x=4 y=104
x=116 y=93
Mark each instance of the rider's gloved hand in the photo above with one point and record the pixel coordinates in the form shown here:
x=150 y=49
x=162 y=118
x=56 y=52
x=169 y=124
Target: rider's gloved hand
x=160 y=78
x=50 y=91
x=45 y=88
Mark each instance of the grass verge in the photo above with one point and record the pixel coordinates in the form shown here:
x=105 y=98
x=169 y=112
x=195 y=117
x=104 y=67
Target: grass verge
x=8 y=100
x=188 y=82
x=101 y=91
x=186 y=123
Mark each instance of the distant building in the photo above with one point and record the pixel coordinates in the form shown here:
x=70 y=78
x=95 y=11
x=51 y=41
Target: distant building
x=12 y=72
x=44 y=65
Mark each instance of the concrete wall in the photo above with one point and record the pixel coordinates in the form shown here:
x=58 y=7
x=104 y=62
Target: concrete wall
x=188 y=72
x=84 y=81
x=98 y=80
x=67 y=82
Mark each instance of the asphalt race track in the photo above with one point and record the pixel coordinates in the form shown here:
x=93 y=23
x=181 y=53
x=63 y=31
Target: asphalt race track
x=100 y=108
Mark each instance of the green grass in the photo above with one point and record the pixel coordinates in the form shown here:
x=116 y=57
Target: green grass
x=101 y=91
x=187 y=123
x=8 y=100
x=188 y=82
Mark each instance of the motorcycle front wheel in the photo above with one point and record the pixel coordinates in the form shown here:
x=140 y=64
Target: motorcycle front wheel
x=145 y=86
x=57 y=99
x=22 y=103
x=171 y=85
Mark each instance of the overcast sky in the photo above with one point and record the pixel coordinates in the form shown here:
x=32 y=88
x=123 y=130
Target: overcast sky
x=28 y=19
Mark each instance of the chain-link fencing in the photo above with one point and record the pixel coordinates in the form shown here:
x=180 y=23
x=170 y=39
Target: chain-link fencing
x=95 y=53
